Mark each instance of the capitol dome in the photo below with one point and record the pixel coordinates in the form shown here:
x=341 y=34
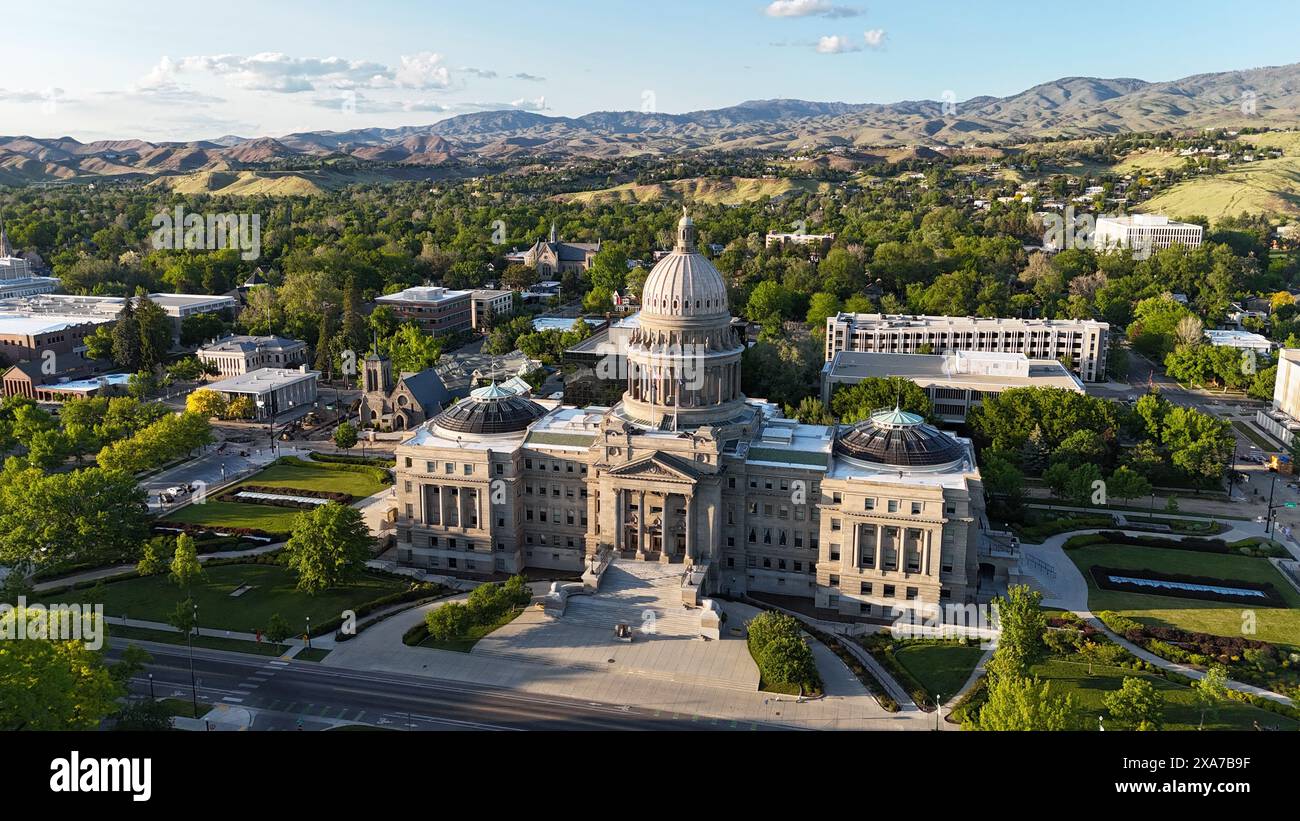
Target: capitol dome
x=490 y=410
x=684 y=283
x=898 y=439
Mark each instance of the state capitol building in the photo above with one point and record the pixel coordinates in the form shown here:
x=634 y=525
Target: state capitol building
x=860 y=519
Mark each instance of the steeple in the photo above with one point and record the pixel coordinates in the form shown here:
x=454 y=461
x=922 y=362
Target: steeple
x=554 y=237
x=685 y=233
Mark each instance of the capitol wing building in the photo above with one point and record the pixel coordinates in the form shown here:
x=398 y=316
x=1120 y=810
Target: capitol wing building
x=861 y=520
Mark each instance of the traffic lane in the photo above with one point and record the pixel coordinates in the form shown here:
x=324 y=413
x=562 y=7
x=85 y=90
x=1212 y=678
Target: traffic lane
x=223 y=675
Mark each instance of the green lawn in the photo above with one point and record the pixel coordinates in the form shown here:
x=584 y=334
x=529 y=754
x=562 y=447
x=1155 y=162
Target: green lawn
x=311 y=476
x=311 y=654
x=1181 y=712
x=465 y=643
x=1274 y=624
x=304 y=476
x=940 y=668
x=154 y=598
x=236 y=514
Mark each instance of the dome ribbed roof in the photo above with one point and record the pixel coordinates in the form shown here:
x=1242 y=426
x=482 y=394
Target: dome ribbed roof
x=897 y=438
x=684 y=283
x=488 y=410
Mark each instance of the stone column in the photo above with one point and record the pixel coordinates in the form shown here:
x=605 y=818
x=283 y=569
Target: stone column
x=618 y=519
x=640 y=524
x=690 y=528
x=849 y=552
x=880 y=554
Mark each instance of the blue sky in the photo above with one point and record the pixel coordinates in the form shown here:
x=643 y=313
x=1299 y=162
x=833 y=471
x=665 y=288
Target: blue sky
x=176 y=70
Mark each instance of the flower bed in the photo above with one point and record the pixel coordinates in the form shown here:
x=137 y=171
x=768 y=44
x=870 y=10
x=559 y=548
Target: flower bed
x=1182 y=586
x=284 y=497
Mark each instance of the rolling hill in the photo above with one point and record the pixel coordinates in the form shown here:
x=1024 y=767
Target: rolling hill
x=1079 y=106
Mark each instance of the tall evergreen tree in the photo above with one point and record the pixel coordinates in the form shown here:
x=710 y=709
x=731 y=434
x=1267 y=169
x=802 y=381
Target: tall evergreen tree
x=155 y=331
x=126 y=339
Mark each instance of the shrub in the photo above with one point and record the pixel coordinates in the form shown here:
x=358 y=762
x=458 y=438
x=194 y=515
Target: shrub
x=783 y=656
x=450 y=621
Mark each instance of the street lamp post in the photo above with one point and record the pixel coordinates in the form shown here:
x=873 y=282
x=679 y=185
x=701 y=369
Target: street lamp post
x=938 y=712
x=309 y=632
x=194 y=686
x=1268 y=517
x=151 y=695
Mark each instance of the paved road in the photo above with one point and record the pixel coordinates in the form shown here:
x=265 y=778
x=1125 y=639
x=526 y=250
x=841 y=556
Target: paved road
x=278 y=694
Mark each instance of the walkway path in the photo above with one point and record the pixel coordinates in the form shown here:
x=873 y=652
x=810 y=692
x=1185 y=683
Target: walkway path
x=846 y=705
x=1068 y=590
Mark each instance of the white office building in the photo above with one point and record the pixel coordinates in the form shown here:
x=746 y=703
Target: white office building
x=1082 y=343
x=276 y=392
x=1283 y=419
x=954 y=383
x=1245 y=340
x=1145 y=231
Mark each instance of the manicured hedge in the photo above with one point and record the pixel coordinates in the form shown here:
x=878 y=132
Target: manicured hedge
x=379 y=474
x=1250 y=547
x=352 y=459
x=198 y=530
x=1101 y=575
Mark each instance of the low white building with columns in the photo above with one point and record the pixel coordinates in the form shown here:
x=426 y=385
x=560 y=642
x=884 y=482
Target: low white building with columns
x=859 y=520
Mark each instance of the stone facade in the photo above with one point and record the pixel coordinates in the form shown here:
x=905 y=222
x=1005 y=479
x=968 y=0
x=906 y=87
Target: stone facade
x=860 y=521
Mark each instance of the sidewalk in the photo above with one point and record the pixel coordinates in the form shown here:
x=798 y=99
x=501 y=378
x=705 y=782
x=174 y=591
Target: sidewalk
x=106 y=572
x=1068 y=590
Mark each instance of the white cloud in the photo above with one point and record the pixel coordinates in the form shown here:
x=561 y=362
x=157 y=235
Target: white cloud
x=835 y=44
x=423 y=71
x=875 y=37
x=532 y=78
x=274 y=71
x=809 y=8
x=538 y=104
x=481 y=73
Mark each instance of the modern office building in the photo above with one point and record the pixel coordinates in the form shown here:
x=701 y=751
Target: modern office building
x=1081 y=343
x=485 y=305
x=235 y=355
x=861 y=521
x=106 y=308
x=1282 y=420
x=436 y=310
x=955 y=382
x=1243 y=340
x=1152 y=232
x=276 y=392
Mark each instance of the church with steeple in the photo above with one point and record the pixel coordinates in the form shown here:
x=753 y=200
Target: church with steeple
x=856 y=521
x=552 y=258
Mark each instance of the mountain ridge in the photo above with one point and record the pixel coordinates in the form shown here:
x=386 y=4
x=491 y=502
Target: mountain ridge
x=1068 y=106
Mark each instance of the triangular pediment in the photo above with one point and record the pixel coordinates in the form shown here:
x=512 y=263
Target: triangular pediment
x=657 y=466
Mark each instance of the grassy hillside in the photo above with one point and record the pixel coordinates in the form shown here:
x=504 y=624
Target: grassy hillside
x=1271 y=185
x=708 y=190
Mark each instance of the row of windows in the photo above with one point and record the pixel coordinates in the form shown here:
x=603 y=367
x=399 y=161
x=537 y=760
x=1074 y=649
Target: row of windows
x=555 y=465
x=556 y=515
x=568 y=490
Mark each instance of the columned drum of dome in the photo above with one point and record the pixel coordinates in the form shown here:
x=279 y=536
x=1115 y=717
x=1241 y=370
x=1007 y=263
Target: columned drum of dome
x=898 y=439
x=490 y=410
x=684 y=359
